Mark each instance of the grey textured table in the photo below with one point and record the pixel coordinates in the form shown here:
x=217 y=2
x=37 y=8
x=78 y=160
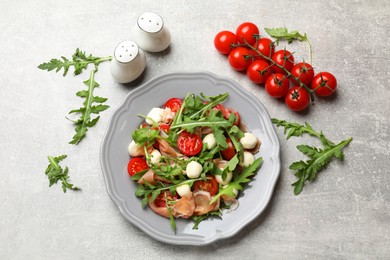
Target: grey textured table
x=345 y=214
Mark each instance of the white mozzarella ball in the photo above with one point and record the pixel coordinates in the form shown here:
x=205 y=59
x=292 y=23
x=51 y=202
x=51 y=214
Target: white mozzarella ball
x=226 y=181
x=155 y=156
x=210 y=141
x=156 y=114
x=235 y=191
x=184 y=190
x=193 y=170
x=249 y=141
x=248 y=159
x=133 y=149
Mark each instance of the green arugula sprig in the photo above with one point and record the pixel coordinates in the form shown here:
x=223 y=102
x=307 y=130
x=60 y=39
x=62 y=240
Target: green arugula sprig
x=239 y=180
x=79 y=61
x=55 y=173
x=282 y=33
x=89 y=108
x=319 y=157
x=198 y=219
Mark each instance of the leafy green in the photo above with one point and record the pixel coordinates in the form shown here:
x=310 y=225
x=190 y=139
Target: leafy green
x=198 y=219
x=55 y=173
x=319 y=157
x=282 y=33
x=172 y=219
x=85 y=120
x=79 y=61
x=239 y=180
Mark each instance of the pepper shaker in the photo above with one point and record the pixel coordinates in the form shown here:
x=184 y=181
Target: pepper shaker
x=150 y=32
x=128 y=63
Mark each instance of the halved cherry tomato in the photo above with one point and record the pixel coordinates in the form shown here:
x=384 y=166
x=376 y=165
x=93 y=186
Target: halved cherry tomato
x=211 y=186
x=165 y=127
x=136 y=165
x=247 y=32
x=223 y=41
x=174 y=104
x=163 y=198
x=229 y=152
x=189 y=144
x=266 y=47
x=283 y=58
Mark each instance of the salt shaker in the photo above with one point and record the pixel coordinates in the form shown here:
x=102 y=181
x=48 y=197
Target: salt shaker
x=128 y=63
x=150 y=33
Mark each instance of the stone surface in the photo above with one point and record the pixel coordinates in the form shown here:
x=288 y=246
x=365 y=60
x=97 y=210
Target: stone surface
x=345 y=214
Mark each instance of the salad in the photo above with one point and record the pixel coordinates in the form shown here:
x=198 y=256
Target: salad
x=192 y=157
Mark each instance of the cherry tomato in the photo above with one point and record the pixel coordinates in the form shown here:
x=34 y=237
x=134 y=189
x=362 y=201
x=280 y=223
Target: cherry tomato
x=189 y=144
x=165 y=127
x=304 y=72
x=227 y=111
x=229 y=152
x=240 y=58
x=297 y=99
x=266 y=47
x=211 y=185
x=136 y=165
x=163 y=198
x=277 y=85
x=283 y=58
x=259 y=71
x=324 y=84
x=246 y=32
x=223 y=41
x=174 y=104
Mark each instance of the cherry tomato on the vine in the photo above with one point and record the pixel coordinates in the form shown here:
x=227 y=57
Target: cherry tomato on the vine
x=297 y=98
x=240 y=58
x=210 y=185
x=277 y=85
x=266 y=47
x=304 y=72
x=189 y=144
x=136 y=165
x=324 y=84
x=229 y=152
x=247 y=32
x=283 y=58
x=174 y=104
x=258 y=71
x=223 y=41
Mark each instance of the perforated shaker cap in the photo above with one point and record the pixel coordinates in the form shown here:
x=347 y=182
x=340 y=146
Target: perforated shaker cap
x=150 y=22
x=126 y=51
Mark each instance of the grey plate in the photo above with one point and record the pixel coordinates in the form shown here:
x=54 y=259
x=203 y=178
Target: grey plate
x=114 y=157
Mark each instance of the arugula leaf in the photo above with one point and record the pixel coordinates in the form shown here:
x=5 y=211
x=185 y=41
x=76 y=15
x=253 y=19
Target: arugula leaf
x=198 y=219
x=55 y=173
x=239 y=180
x=282 y=33
x=172 y=220
x=85 y=120
x=79 y=61
x=319 y=158
x=213 y=101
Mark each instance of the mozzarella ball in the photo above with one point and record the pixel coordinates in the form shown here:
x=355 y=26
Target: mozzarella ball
x=235 y=191
x=184 y=190
x=210 y=141
x=133 y=149
x=226 y=181
x=155 y=156
x=248 y=159
x=194 y=169
x=156 y=114
x=249 y=141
